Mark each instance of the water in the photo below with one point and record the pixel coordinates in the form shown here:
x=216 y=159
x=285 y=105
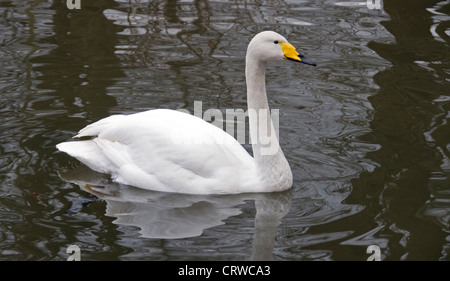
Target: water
x=366 y=131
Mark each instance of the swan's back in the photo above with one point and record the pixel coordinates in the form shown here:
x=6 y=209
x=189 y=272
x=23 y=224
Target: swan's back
x=166 y=150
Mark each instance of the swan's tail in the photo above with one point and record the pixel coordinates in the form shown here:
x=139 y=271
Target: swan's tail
x=88 y=153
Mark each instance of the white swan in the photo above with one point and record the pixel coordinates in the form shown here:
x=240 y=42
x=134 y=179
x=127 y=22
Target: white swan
x=145 y=149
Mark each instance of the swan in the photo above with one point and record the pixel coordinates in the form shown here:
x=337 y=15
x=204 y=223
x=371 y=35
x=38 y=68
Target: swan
x=147 y=150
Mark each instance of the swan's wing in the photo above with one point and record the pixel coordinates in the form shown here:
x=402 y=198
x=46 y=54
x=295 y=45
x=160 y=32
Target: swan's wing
x=160 y=148
x=94 y=129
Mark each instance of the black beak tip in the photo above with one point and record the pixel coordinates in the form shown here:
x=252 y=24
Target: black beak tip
x=307 y=61
x=304 y=60
x=310 y=63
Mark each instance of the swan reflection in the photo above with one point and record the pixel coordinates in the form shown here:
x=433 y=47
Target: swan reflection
x=164 y=215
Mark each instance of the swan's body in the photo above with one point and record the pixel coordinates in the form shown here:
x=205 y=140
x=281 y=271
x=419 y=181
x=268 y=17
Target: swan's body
x=147 y=150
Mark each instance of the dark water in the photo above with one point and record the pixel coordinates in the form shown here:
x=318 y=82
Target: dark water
x=367 y=132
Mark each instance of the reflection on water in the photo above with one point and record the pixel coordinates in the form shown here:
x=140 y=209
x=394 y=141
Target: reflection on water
x=366 y=132
x=163 y=215
x=411 y=124
x=157 y=214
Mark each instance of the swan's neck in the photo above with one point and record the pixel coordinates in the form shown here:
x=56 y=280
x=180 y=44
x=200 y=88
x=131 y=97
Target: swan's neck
x=271 y=162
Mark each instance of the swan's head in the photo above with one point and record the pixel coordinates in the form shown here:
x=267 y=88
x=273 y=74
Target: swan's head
x=269 y=45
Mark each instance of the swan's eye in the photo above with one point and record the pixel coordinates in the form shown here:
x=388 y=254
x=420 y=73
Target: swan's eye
x=275 y=42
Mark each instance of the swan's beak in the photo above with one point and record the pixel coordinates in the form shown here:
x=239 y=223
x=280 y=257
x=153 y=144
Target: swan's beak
x=291 y=53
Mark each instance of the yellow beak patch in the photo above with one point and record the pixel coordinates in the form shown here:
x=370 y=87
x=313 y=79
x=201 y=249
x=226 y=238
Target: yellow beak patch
x=289 y=51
